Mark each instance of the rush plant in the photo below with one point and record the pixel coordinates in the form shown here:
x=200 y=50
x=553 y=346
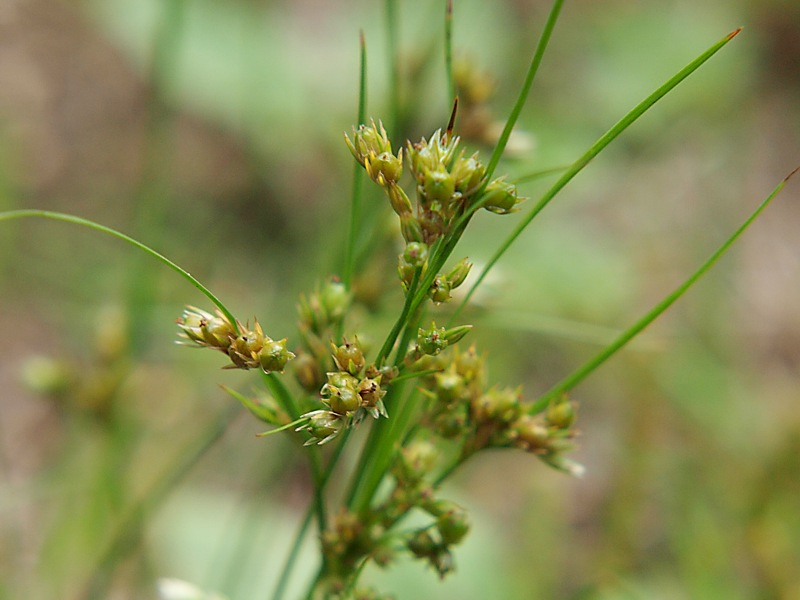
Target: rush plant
x=420 y=389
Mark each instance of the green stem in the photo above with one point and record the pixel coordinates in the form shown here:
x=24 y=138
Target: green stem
x=593 y=151
x=394 y=73
x=579 y=375
x=448 y=49
x=526 y=88
x=401 y=322
x=294 y=552
x=358 y=173
x=46 y=214
x=126 y=538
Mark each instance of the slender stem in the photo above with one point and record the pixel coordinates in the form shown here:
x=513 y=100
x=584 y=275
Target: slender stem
x=392 y=66
x=593 y=151
x=448 y=49
x=294 y=552
x=526 y=88
x=401 y=322
x=580 y=374
x=540 y=174
x=46 y=214
x=287 y=401
x=358 y=173
x=126 y=538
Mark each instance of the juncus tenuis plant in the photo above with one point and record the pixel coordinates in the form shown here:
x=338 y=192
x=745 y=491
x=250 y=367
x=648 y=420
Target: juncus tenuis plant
x=421 y=388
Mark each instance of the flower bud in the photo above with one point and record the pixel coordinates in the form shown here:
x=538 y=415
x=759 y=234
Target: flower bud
x=245 y=348
x=440 y=290
x=500 y=197
x=368 y=142
x=385 y=168
x=560 y=414
x=372 y=396
x=349 y=357
x=433 y=224
x=340 y=393
x=532 y=434
x=452 y=524
x=452 y=423
x=323 y=426
x=308 y=372
x=386 y=373
x=459 y=273
x=468 y=174
x=411 y=228
x=415 y=462
x=470 y=365
x=398 y=199
x=456 y=334
x=449 y=386
x=422 y=544
x=273 y=356
x=415 y=254
x=335 y=299
x=206 y=329
x=432 y=341
x=501 y=406
x=438 y=186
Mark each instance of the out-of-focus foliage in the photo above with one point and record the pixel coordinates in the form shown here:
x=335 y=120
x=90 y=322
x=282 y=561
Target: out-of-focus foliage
x=212 y=131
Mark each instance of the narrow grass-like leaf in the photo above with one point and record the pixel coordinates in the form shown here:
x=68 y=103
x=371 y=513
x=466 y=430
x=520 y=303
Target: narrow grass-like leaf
x=448 y=49
x=358 y=171
x=45 y=214
x=127 y=537
x=534 y=175
x=593 y=151
x=579 y=375
x=526 y=88
x=393 y=67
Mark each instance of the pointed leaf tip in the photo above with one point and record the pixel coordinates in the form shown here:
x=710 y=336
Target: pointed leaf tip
x=792 y=174
x=734 y=33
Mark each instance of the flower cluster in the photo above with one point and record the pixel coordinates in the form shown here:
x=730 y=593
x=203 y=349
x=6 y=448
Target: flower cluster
x=447 y=182
x=463 y=409
x=448 y=185
x=348 y=394
x=247 y=348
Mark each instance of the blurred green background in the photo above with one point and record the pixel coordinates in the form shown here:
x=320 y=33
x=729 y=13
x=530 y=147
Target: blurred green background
x=212 y=131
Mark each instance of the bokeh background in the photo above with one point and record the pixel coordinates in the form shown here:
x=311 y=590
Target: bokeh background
x=212 y=131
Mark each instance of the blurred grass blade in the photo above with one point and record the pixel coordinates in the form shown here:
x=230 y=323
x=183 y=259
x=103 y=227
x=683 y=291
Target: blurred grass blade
x=526 y=88
x=593 y=151
x=448 y=50
x=45 y=214
x=358 y=171
x=571 y=381
x=540 y=174
x=394 y=70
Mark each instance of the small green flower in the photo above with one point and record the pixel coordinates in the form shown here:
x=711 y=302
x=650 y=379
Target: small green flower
x=274 y=356
x=458 y=274
x=439 y=186
x=468 y=174
x=349 y=357
x=340 y=394
x=205 y=329
x=500 y=197
x=452 y=524
x=385 y=168
x=440 y=290
x=371 y=394
x=368 y=142
x=323 y=425
x=431 y=341
x=560 y=414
